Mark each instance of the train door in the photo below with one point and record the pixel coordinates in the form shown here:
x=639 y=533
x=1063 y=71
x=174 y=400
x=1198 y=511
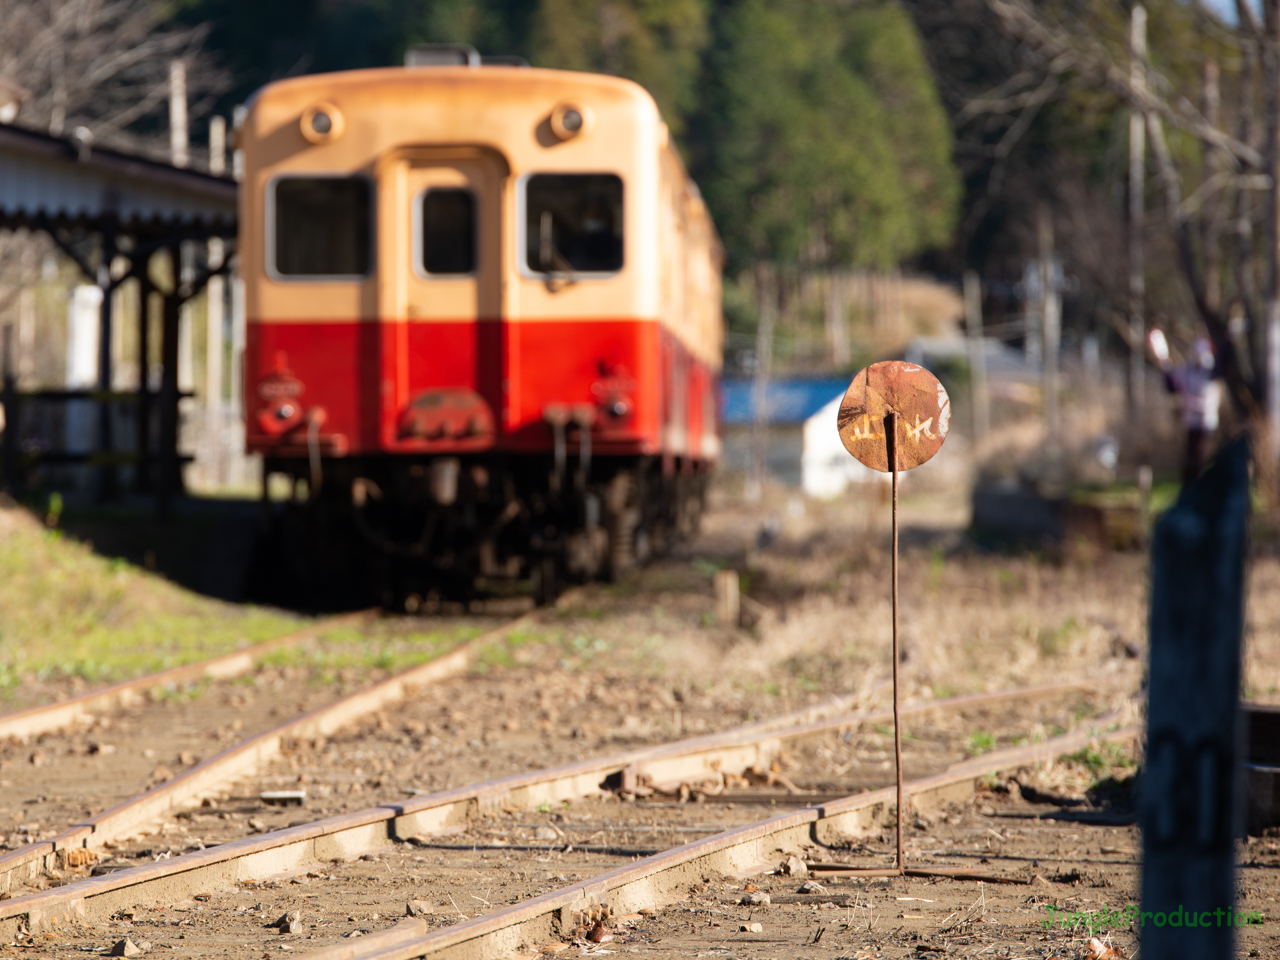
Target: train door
x=442 y=291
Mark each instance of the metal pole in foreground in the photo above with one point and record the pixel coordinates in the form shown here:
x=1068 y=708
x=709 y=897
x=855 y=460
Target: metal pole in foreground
x=891 y=448
x=882 y=395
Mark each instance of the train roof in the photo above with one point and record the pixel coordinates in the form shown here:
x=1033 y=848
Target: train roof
x=395 y=85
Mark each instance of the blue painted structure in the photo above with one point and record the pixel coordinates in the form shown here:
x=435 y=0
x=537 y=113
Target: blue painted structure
x=788 y=402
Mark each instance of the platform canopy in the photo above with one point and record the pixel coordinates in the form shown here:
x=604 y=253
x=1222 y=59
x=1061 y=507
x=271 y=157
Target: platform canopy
x=110 y=212
x=67 y=184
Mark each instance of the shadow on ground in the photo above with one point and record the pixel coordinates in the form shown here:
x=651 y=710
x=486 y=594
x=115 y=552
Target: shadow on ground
x=222 y=548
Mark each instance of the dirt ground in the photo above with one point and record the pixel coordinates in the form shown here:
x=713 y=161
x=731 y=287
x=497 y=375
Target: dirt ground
x=505 y=858
x=645 y=661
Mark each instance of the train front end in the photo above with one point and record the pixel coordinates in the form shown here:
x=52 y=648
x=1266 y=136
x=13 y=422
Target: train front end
x=483 y=324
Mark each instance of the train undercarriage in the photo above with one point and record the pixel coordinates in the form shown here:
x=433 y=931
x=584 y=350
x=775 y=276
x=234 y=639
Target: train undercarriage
x=405 y=533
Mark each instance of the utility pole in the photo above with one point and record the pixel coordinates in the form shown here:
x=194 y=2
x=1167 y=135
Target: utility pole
x=977 y=355
x=1051 y=322
x=218 y=146
x=766 y=303
x=179 y=153
x=836 y=317
x=215 y=295
x=1213 y=165
x=1137 y=170
x=1271 y=155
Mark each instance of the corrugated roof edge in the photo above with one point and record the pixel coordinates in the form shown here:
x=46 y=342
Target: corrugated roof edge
x=118 y=163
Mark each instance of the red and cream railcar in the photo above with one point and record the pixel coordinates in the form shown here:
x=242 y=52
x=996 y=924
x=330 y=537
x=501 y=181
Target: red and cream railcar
x=484 y=320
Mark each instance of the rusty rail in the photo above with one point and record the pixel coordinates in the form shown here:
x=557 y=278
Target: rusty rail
x=79 y=709
x=353 y=834
x=239 y=760
x=654 y=881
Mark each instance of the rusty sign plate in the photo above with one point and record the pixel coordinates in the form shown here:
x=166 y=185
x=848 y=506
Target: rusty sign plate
x=911 y=391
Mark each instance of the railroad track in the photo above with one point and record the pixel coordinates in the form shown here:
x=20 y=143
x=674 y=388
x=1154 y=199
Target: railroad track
x=659 y=879
x=701 y=763
x=48 y=717
x=76 y=845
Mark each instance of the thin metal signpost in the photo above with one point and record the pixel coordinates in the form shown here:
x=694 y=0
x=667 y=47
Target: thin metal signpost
x=891 y=449
x=894 y=417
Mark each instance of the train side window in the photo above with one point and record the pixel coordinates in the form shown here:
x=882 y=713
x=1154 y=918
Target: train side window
x=449 y=231
x=573 y=223
x=323 y=226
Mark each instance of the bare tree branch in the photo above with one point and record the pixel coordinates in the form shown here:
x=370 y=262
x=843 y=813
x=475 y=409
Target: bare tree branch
x=102 y=64
x=1086 y=56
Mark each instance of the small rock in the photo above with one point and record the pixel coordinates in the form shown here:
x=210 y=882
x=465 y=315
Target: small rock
x=284 y=920
x=354 y=933
x=126 y=948
x=751 y=928
x=293 y=926
x=546 y=833
x=811 y=886
x=418 y=908
x=756 y=900
x=254 y=823
x=161 y=773
x=144 y=946
x=102 y=749
x=186 y=758
x=794 y=867
x=369 y=858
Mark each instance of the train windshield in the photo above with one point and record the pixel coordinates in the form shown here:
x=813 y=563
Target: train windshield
x=322 y=226
x=573 y=223
x=449 y=231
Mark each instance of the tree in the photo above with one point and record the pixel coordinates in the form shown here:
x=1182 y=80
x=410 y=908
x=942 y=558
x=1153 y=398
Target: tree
x=102 y=66
x=263 y=42
x=821 y=140
x=657 y=43
x=1207 y=156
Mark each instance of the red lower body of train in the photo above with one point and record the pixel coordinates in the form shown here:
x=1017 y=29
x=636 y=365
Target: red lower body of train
x=454 y=459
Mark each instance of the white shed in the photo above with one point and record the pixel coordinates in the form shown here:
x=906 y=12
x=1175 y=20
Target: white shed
x=826 y=467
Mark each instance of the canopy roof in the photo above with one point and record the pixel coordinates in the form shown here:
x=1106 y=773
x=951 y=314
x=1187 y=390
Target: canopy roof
x=48 y=181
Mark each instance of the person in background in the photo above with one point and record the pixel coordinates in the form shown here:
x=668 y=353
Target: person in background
x=1197 y=383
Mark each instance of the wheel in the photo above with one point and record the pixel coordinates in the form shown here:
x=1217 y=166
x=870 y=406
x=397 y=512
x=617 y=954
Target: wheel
x=546 y=580
x=622 y=519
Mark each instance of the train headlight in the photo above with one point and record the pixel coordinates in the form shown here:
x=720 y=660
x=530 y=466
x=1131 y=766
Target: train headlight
x=569 y=120
x=321 y=123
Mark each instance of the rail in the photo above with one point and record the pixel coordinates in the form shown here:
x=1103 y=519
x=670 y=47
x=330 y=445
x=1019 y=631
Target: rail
x=354 y=834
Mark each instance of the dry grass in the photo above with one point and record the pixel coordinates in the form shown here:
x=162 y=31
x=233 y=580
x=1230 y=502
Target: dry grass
x=65 y=611
x=969 y=620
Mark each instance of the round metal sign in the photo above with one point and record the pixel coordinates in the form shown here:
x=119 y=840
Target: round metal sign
x=910 y=391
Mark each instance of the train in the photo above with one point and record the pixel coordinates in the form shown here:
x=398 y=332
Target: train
x=483 y=327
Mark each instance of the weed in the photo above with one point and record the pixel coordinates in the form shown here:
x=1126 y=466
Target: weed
x=980 y=742
x=1099 y=759
x=1053 y=642
x=705 y=567
x=937 y=567
x=65 y=611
